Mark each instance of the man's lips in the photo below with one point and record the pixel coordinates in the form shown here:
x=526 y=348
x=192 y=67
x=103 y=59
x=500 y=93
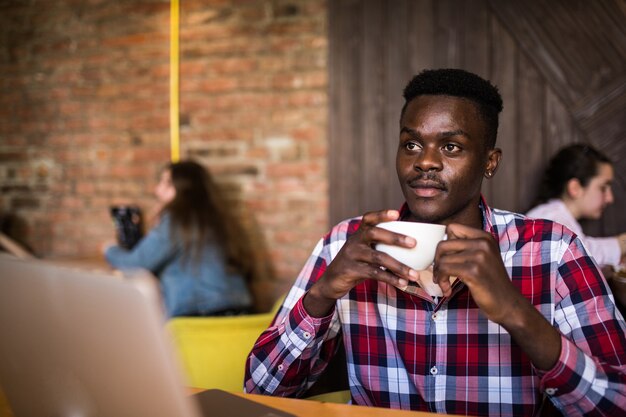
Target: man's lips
x=427 y=188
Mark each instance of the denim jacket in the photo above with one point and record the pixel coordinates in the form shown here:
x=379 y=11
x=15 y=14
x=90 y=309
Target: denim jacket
x=188 y=287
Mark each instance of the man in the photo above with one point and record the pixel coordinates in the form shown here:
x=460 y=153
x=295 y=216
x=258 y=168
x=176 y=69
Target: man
x=529 y=317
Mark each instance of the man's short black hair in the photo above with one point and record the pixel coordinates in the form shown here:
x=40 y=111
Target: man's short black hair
x=459 y=83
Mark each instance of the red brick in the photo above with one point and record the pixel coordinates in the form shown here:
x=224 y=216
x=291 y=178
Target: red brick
x=214 y=85
x=98 y=114
x=138 y=39
x=306 y=98
x=309 y=134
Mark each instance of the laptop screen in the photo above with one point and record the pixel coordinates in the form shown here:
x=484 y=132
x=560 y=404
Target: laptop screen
x=81 y=343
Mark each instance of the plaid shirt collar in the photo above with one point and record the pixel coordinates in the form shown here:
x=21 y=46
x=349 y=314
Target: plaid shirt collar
x=484 y=208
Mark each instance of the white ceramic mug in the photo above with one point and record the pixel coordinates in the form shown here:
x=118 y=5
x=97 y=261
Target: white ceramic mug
x=421 y=256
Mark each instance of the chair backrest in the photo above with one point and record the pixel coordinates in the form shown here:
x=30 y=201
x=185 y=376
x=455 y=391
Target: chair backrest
x=5 y=410
x=14 y=248
x=213 y=350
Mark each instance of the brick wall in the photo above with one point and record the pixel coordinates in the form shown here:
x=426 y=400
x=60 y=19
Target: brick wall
x=84 y=115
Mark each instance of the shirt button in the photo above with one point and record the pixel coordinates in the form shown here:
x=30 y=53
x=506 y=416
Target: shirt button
x=434 y=316
x=434 y=370
x=551 y=391
x=306 y=335
x=280 y=367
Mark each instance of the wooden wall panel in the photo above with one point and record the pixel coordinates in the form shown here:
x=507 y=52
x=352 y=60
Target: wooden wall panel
x=474 y=42
x=369 y=144
x=344 y=63
x=530 y=124
x=559 y=64
x=448 y=34
x=504 y=192
x=579 y=47
x=560 y=130
x=421 y=30
x=396 y=60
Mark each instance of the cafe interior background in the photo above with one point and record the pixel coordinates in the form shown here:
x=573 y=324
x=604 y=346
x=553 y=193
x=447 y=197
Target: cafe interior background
x=292 y=104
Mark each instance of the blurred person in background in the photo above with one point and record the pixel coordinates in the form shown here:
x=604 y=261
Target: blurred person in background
x=577 y=185
x=197 y=247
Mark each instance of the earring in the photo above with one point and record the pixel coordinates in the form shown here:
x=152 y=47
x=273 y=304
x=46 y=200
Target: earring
x=488 y=174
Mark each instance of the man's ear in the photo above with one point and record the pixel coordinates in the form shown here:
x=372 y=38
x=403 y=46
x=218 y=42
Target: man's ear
x=493 y=160
x=573 y=188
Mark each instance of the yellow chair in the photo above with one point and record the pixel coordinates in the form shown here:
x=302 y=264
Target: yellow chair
x=213 y=350
x=213 y=353
x=5 y=409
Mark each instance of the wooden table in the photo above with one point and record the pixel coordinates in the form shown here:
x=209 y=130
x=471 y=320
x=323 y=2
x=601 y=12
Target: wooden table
x=309 y=408
x=94 y=263
x=301 y=408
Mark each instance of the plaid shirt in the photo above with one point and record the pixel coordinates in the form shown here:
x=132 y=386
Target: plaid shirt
x=412 y=352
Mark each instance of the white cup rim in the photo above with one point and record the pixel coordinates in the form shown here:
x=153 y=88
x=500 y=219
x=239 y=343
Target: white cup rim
x=410 y=224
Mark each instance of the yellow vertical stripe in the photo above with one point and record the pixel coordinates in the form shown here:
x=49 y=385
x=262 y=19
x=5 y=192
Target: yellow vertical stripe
x=174 y=82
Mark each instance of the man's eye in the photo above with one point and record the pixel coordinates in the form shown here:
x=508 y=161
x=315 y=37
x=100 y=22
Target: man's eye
x=412 y=146
x=450 y=147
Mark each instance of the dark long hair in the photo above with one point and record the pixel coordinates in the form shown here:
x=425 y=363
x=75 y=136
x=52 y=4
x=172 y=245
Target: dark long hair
x=578 y=161
x=200 y=216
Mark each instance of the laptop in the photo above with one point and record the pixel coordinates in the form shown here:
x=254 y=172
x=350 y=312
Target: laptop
x=89 y=343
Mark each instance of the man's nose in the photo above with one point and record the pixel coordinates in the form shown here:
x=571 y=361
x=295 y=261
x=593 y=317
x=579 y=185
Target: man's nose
x=427 y=160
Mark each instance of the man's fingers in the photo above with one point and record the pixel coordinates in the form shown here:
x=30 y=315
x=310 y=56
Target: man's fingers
x=459 y=231
x=372 y=218
x=380 y=235
x=444 y=283
x=476 y=244
x=462 y=265
x=370 y=234
x=371 y=271
x=366 y=255
x=390 y=264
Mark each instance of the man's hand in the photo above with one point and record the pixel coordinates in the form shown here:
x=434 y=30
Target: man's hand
x=473 y=256
x=358 y=260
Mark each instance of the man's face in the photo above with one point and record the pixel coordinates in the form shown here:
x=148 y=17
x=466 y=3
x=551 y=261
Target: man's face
x=442 y=158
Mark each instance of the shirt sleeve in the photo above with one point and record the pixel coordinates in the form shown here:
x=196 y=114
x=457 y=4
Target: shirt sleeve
x=293 y=352
x=589 y=377
x=151 y=252
x=605 y=250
